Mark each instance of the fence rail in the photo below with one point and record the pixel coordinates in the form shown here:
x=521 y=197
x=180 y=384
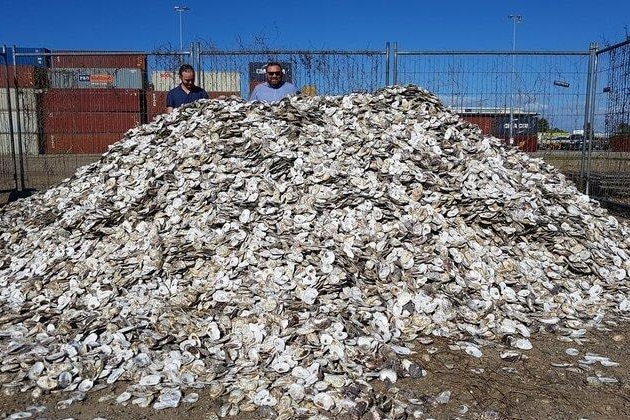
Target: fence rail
x=568 y=107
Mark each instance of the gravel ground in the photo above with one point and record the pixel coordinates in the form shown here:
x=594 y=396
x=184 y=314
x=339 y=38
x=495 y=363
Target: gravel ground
x=457 y=385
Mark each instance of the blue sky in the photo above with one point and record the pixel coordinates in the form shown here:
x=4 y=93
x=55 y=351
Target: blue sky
x=564 y=25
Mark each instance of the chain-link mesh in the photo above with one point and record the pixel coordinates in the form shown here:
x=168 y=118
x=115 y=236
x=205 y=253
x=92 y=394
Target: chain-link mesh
x=541 y=96
x=609 y=169
x=534 y=100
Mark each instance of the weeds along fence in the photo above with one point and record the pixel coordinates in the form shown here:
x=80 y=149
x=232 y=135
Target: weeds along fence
x=568 y=107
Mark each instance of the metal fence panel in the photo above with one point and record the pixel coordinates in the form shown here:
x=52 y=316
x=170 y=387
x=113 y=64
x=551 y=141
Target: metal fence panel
x=320 y=72
x=538 y=101
x=609 y=169
x=534 y=100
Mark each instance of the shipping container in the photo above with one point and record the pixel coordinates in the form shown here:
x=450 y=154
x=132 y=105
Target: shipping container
x=526 y=143
x=620 y=143
x=220 y=81
x=522 y=124
x=95 y=100
x=164 y=81
x=84 y=78
x=23 y=76
x=89 y=122
x=87 y=143
x=95 y=60
x=30 y=143
x=211 y=81
x=36 y=57
x=27 y=99
x=484 y=122
x=22 y=120
x=156 y=104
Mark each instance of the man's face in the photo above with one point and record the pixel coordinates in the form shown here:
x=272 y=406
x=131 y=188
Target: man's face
x=274 y=75
x=188 y=79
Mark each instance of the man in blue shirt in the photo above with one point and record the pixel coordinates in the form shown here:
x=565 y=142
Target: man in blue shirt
x=186 y=91
x=274 y=89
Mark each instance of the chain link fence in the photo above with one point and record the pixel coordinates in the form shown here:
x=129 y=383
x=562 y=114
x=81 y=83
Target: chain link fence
x=568 y=107
x=608 y=169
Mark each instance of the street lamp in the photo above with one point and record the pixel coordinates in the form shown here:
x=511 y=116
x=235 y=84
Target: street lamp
x=515 y=19
x=180 y=10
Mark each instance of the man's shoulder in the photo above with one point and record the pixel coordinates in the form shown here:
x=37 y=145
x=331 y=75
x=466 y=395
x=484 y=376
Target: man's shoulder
x=261 y=86
x=290 y=87
x=199 y=92
x=176 y=91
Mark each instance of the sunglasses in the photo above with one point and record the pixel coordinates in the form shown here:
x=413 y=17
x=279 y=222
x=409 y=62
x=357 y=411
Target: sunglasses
x=274 y=73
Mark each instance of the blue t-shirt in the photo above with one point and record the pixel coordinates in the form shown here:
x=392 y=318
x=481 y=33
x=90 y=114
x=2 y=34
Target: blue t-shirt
x=176 y=97
x=265 y=93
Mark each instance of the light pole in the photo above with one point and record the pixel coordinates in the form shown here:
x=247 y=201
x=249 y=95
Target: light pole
x=515 y=19
x=180 y=10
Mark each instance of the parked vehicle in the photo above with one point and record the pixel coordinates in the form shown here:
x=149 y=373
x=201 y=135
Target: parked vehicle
x=575 y=142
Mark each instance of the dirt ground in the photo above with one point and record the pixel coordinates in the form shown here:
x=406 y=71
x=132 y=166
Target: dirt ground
x=480 y=388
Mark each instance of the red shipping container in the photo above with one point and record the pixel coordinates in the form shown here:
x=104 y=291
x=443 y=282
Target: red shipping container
x=620 y=143
x=94 y=100
x=119 y=61
x=80 y=143
x=90 y=122
x=156 y=103
x=27 y=76
x=526 y=143
x=485 y=123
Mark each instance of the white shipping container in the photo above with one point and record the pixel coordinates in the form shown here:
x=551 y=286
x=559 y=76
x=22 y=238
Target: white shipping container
x=220 y=81
x=30 y=143
x=211 y=81
x=26 y=121
x=26 y=97
x=164 y=80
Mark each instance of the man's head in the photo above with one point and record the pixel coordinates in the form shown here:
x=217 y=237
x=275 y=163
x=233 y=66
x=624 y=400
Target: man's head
x=187 y=76
x=274 y=74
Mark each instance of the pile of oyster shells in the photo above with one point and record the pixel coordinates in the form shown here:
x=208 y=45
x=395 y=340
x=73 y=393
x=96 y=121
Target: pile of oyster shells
x=285 y=255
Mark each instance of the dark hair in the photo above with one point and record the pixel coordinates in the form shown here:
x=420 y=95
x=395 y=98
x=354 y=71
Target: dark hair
x=273 y=63
x=186 y=68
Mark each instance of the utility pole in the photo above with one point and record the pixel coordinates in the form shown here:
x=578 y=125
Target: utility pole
x=515 y=19
x=180 y=10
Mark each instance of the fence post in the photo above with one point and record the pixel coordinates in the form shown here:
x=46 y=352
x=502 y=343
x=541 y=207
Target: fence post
x=387 y=64
x=589 y=113
x=395 y=81
x=195 y=61
x=10 y=119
